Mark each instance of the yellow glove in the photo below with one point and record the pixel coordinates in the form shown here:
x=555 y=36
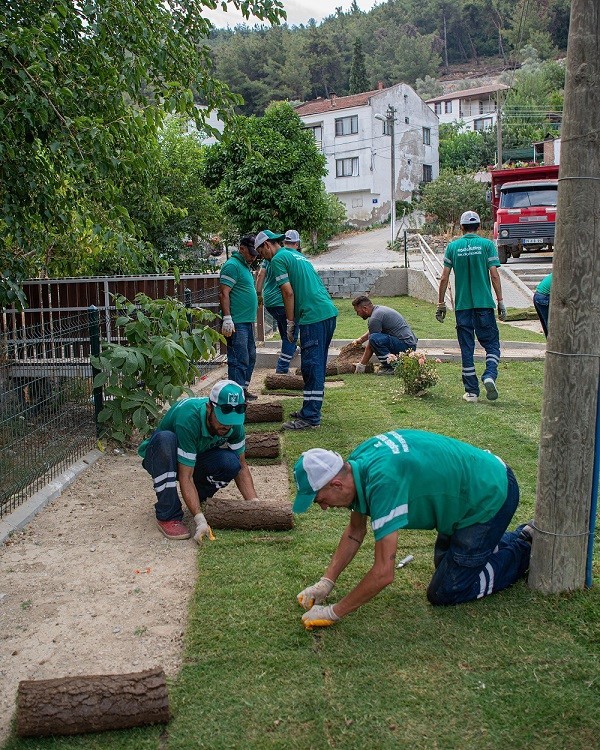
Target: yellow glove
x=319 y=617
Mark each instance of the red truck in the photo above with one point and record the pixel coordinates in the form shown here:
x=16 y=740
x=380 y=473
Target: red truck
x=524 y=208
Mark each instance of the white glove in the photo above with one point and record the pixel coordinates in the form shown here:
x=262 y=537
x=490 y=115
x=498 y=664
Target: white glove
x=319 y=617
x=360 y=368
x=227 y=329
x=357 y=342
x=315 y=594
x=202 y=529
x=291 y=331
x=501 y=311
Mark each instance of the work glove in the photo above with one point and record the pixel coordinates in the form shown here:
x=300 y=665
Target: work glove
x=315 y=594
x=291 y=331
x=440 y=313
x=501 y=311
x=227 y=329
x=202 y=529
x=319 y=617
x=357 y=342
x=360 y=368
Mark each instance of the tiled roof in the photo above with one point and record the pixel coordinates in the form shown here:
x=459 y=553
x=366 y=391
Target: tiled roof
x=469 y=93
x=317 y=106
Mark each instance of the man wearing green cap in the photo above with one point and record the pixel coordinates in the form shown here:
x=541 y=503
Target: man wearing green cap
x=201 y=442
x=415 y=480
x=308 y=305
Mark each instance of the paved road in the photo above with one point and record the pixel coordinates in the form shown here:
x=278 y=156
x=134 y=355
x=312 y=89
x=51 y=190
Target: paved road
x=364 y=249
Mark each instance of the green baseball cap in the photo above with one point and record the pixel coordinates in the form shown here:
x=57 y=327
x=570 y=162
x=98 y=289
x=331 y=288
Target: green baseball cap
x=313 y=470
x=227 y=398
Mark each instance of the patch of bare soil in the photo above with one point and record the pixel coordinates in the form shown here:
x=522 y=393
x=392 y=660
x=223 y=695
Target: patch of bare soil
x=92 y=587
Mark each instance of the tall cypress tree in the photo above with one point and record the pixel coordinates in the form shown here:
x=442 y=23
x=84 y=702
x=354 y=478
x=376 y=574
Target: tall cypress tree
x=359 y=81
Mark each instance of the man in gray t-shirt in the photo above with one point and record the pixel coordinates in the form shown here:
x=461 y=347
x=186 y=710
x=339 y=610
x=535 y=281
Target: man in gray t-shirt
x=388 y=333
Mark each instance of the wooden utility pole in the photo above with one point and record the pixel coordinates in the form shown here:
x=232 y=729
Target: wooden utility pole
x=499 y=127
x=566 y=467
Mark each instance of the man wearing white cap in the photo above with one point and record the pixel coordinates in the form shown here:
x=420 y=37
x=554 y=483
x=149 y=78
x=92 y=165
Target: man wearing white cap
x=308 y=307
x=201 y=442
x=415 y=480
x=475 y=262
x=292 y=240
x=268 y=290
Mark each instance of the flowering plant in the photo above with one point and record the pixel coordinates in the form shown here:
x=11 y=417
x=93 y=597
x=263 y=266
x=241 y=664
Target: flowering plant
x=416 y=371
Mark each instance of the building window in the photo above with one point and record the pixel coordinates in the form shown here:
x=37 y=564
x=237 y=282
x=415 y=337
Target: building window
x=407 y=120
x=427 y=136
x=346 y=167
x=346 y=125
x=448 y=108
x=438 y=108
x=427 y=173
x=484 y=123
x=317 y=131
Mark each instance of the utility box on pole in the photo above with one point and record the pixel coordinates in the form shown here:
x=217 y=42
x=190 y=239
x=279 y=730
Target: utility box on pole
x=567 y=466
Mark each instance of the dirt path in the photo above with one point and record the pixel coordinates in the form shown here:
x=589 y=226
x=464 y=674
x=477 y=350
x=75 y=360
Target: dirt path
x=91 y=586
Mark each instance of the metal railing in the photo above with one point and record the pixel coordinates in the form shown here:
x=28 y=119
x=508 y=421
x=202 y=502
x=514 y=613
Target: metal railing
x=433 y=267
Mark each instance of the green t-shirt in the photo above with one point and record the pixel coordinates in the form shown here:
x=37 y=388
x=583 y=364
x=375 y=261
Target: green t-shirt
x=271 y=292
x=471 y=257
x=419 y=480
x=312 y=302
x=236 y=274
x=187 y=419
x=545 y=285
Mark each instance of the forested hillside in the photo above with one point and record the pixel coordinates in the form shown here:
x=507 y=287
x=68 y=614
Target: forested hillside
x=399 y=40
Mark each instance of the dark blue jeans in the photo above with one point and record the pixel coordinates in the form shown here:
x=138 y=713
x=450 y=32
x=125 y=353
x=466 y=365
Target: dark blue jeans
x=314 y=345
x=287 y=349
x=479 y=560
x=384 y=344
x=541 y=302
x=480 y=322
x=213 y=470
x=241 y=354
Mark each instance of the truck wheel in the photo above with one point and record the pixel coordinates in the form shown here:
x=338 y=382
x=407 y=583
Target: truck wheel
x=502 y=254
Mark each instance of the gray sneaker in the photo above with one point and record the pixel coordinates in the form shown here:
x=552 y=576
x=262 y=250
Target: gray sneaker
x=490 y=389
x=298 y=424
x=384 y=370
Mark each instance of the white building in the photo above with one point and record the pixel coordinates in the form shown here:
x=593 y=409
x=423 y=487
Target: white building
x=477 y=108
x=358 y=147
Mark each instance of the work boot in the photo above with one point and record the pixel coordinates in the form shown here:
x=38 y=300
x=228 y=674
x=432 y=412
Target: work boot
x=174 y=529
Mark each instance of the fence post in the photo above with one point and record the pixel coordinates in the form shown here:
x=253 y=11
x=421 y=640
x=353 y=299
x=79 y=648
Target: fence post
x=405 y=249
x=94 y=326
x=187 y=301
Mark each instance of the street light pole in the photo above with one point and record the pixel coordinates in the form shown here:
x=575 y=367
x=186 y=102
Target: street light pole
x=390 y=119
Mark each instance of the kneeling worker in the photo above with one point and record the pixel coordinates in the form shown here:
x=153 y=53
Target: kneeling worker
x=388 y=333
x=415 y=480
x=200 y=442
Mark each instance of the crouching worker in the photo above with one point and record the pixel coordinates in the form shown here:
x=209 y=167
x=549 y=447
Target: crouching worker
x=199 y=442
x=408 y=479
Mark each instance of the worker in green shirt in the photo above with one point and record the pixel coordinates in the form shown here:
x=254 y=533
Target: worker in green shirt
x=409 y=479
x=308 y=306
x=474 y=260
x=541 y=301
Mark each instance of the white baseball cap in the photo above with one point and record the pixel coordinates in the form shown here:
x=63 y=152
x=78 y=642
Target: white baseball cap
x=469 y=217
x=292 y=236
x=313 y=470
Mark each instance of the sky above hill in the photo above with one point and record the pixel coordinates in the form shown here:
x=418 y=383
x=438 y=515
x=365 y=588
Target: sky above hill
x=298 y=11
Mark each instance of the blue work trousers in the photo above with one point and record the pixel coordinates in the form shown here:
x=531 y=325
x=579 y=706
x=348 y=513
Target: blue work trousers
x=541 y=302
x=214 y=469
x=241 y=354
x=287 y=348
x=314 y=346
x=383 y=344
x=479 y=560
x=480 y=322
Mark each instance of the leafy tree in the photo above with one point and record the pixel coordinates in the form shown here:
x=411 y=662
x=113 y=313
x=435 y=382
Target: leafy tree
x=165 y=340
x=268 y=174
x=451 y=194
x=359 y=81
x=465 y=150
x=85 y=88
x=428 y=88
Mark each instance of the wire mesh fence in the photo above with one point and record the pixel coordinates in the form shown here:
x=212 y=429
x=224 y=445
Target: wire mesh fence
x=46 y=408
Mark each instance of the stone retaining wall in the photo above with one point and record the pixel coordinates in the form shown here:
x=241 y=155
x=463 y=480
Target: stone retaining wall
x=378 y=282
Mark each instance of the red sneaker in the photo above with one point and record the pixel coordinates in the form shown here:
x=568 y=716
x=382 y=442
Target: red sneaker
x=173 y=529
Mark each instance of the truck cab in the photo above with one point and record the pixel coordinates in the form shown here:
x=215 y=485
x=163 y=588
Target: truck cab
x=524 y=210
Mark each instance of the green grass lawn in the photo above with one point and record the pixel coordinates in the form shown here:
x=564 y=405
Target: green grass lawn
x=517 y=670
x=421 y=318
